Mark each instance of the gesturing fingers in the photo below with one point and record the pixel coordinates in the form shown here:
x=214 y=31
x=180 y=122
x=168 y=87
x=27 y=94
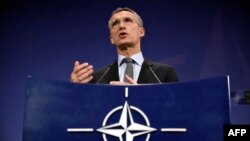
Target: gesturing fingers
x=82 y=73
x=130 y=80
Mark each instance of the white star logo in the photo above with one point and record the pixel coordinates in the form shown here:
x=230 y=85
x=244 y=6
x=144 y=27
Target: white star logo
x=126 y=126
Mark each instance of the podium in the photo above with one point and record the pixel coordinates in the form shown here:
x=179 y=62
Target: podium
x=181 y=111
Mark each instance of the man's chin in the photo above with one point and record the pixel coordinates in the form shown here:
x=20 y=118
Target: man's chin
x=125 y=45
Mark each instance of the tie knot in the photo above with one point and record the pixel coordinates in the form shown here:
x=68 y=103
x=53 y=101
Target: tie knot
x=128 y=60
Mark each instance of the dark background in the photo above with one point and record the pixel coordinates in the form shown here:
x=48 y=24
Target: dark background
x=200 y=38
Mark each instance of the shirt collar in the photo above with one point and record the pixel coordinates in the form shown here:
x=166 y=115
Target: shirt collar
x=138 y=58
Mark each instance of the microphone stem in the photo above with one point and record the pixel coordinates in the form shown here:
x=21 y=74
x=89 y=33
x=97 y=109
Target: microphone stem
x=154 y=74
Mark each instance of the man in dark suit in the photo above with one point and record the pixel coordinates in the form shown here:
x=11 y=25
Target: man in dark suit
x=126 y=30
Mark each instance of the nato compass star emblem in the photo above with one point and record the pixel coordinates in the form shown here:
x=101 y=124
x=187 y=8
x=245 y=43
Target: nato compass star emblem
x=126 y=126
x=126 y=129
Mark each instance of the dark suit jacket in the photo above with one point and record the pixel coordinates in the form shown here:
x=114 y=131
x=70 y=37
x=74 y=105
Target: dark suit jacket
x=165 y=73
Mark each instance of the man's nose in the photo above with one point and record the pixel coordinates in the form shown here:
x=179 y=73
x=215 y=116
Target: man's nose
x=122 y=25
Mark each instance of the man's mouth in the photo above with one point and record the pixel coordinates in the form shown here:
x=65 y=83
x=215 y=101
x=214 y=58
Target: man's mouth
x=123 y=34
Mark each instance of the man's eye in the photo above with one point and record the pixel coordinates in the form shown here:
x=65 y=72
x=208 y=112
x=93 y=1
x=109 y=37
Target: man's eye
x=115 y=23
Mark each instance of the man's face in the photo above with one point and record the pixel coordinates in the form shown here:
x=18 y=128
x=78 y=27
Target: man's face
x=125 y=30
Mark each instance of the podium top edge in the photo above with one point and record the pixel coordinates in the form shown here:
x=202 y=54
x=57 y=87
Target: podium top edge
x=224 y=78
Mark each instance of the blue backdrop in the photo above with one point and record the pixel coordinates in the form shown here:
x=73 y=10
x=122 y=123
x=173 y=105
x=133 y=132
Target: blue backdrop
x=201 y=39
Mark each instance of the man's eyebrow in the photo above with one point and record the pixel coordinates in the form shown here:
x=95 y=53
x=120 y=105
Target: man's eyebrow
x=114 y=21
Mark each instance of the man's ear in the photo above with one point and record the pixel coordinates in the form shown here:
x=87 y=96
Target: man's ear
x=111 y=39
x=142 y=32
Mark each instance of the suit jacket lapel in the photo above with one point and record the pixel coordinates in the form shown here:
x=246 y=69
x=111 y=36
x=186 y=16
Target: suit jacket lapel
x=144 y=73
x=113 y=74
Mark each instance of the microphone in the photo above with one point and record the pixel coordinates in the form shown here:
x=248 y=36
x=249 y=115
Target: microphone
x=104 y=73
x=159 y=81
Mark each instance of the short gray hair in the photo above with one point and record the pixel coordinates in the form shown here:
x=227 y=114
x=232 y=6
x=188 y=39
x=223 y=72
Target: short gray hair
x=119 y=9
